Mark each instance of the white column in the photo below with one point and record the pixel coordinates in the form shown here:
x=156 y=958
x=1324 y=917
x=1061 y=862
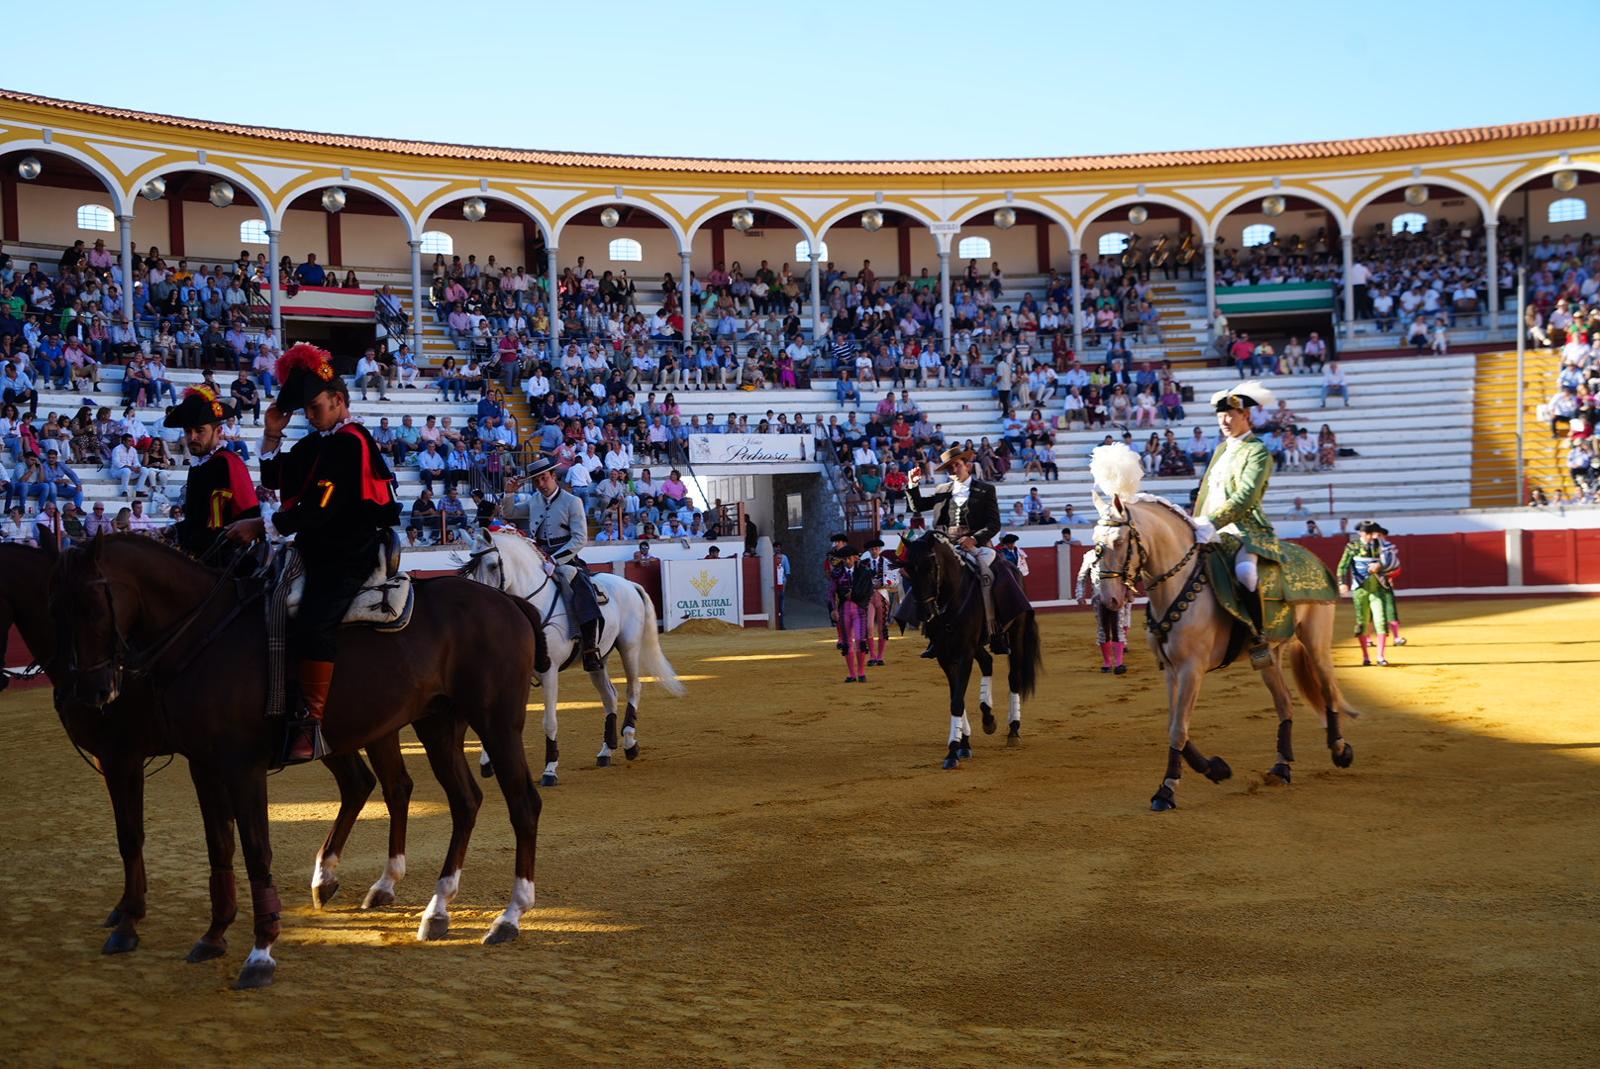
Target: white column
x=1491 y=239
x=1347 y=241
x=125 y=240
x=688 y=298
x=1211 y=286
x=275 y=292
x=1077 y=301
x=944 y=298
x=553 y=311
x=416 y=299
x=816 y=296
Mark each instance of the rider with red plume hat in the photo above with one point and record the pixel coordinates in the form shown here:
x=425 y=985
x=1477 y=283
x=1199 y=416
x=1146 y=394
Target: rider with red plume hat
x=337 y=500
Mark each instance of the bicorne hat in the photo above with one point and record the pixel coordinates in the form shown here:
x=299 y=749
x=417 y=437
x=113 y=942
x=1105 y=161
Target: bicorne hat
x=199 y=406
x=304 y=372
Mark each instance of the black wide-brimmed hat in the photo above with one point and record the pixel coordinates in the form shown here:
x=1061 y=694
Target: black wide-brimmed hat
x=199 y=406
x=304 y=372
x=539 y=465
x=845 y=553
x=875 y=543
x=838 y=536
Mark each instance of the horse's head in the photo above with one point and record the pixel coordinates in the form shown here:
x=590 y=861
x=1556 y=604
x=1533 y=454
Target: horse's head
x=91 y=622
x=1117 y=554
x=929 y=563
x=485 y=566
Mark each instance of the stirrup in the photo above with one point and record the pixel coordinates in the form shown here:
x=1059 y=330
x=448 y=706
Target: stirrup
x=295 y=732
x=1260 y=654
x=592 y=662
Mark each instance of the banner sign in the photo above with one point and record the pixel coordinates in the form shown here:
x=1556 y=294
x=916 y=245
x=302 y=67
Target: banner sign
x=1267 y=300
x=748 y=448
x=702 y=590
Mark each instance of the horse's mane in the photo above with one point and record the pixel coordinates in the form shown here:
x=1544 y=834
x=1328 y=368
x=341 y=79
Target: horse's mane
x=511 y=543
x=1153 y=499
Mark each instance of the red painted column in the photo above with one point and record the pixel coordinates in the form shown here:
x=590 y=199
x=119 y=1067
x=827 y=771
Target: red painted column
x=1042 y=241
x=532 y=246
x=335 y=240
x=904 y=234
x=174 y=217
x=9 y=229
x=719 y=246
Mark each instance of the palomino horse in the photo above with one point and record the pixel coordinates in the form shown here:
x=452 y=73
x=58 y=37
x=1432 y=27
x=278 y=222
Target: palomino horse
x=949 y=602
x=1144 y=537
x=133 y=613
x=119 y=741
x=515 y=565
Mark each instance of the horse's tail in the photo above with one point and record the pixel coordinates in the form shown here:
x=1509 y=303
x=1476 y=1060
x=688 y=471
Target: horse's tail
x=1315 y=678
x=541 y=649
x=655 y=662
x=1027 y=658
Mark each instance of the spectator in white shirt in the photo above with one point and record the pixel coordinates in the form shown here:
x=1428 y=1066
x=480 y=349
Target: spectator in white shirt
x=1333 y=381
x=369 y=373
x=128 y=468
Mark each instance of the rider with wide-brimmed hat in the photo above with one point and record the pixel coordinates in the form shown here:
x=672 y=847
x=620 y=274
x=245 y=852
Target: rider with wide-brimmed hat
x=967 y=510
x=337 y=501
x=556 y=522
x=220 y=490
x=1231 y=495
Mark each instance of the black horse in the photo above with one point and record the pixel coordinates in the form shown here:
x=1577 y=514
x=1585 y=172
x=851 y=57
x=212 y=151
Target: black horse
x=948 y=599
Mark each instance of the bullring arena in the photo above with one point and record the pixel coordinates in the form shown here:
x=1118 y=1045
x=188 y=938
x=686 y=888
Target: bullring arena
x=1376 y=357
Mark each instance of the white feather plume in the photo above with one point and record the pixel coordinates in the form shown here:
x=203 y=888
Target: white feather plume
x=1254 y=389
x=1116 y=470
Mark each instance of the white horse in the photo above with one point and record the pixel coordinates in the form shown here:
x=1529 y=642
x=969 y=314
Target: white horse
x=516 y=565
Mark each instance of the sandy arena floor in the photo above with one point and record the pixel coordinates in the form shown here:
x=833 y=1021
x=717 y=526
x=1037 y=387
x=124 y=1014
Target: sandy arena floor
x=787 y=878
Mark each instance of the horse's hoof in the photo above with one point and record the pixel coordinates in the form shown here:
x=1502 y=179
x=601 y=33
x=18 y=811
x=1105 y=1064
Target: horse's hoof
x=486 y=770
x=120 y=942
x=603 y=761
x=1279 y=775
x=1345 y=757
x=377 y=898
x=1014 y=731
x=433 y=928
x=322 y=893
x=951 y=762
x=204 y=951
x=1163 y=800
x=632 y=755
x=986 y=709
x=990 y=724
x=1217 y=770
x=255 y=974
x=548 y=780
x=965 y=749
x=113 y=918
x=502 y=932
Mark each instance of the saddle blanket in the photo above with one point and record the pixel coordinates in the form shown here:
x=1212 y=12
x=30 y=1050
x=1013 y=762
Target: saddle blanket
x=1299 y=577
x=383 y=603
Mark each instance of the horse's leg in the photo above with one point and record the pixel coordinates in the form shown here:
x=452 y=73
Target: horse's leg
x=1183 y=689
x=630 y=715
x=958 y=674
x=1283 y=702
x=442 y=736
x=1015 y=682
x=218 y=817
x=390 y=766
x=1316 y=635
x=549 y=684
x=523 y=805
x=125 y=783
x=355 y=787
x=608 y=699
x=247 y=790
x=986 y=689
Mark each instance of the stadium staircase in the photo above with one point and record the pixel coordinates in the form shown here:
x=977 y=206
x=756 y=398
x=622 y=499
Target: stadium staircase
x=1494 y=471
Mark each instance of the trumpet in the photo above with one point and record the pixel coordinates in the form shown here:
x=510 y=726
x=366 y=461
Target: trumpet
x=1160 y=254
x=1132 y=255
x=1186 y=250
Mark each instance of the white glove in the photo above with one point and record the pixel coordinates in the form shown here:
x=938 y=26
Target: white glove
x=1204 y=530
x=549 y=567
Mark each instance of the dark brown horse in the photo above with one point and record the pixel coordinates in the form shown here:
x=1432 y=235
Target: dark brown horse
x=133 y=615
x=24 y=579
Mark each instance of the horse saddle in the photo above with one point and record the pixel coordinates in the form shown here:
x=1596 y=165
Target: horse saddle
x=383 y=603
x=1300 y=576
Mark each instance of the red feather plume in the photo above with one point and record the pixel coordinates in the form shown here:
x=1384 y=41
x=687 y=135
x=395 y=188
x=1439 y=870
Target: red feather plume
x=205 y=393
x=302 y=355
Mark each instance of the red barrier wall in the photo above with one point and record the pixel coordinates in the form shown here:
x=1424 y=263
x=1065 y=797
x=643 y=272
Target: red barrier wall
x=751 y=567
x=1040 y=582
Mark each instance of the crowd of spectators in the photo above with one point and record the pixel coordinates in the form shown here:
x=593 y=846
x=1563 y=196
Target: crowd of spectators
x=1572 y=330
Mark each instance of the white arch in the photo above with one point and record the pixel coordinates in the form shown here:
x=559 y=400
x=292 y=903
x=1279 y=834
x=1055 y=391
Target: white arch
x=1542 y=172
x=311 y=186
x=654 y=210
x=904 y=209
x=1046 y=210
x=1232 y=204
x=263 y=202
x=1426 y=180
x=1184 y=207
x=767 y=206
x=526 y=207
x=121 y=198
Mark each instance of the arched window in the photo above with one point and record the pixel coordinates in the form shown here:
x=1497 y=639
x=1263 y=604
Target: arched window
x=95 y=217
x=1258 y=234
x=438 y=243
x=1568 y=210
x=1113 y=243
x=253 y=232
x=1408 y=223
x=802 y=251
x=974 y=249
x=626 y=250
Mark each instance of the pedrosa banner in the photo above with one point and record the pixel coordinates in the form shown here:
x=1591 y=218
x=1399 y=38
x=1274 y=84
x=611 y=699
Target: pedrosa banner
x=749 y=448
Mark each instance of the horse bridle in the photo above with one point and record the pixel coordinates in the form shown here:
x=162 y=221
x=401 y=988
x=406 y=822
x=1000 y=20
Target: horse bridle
x=501 y=583
x=1137 y=552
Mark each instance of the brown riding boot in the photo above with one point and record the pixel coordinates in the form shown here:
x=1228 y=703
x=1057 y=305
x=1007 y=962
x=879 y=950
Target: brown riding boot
x=305 y=733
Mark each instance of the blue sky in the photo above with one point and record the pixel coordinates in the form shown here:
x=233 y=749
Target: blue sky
x=818 y=80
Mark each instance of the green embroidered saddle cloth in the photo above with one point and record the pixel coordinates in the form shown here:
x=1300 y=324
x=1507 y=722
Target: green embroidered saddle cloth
x=1298 y=576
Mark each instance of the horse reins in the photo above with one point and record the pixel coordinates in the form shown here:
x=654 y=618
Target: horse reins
x=1159 y=623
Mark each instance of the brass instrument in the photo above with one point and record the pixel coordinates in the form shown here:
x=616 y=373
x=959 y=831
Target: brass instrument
x=1297 y=246
x=1160 y=254
x=1186 y=250
x=1319 y=245
x=1132 y=255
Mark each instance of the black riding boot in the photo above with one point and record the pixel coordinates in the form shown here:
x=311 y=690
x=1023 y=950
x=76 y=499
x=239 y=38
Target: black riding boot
x=1260 y=652
x=591 y=646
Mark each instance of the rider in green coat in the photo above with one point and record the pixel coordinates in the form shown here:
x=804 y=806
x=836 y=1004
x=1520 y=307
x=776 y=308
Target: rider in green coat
x=1229 y=506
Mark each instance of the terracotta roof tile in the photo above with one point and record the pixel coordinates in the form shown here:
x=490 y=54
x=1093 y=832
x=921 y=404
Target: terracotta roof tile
x=1308 y=150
